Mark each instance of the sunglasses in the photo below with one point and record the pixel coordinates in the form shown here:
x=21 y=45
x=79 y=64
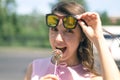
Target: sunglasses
x=69 y=22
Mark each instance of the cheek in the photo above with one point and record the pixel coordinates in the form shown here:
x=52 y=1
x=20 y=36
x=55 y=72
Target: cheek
x=72 y=41
x=51 y=39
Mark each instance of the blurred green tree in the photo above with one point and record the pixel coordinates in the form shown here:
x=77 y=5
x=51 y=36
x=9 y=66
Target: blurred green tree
x=8 y=21
x=105 y=18
x=118 y=22
x=29 y=29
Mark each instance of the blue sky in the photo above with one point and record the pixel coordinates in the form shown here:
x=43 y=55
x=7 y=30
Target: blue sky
x=111 y=6
x=27 y=6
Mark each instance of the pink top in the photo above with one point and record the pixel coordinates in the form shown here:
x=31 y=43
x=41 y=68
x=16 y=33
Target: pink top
x=44 y=66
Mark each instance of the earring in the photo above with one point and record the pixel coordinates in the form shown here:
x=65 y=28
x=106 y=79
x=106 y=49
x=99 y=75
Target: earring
x=81 y=50
x=82 y=40
x=81 y=47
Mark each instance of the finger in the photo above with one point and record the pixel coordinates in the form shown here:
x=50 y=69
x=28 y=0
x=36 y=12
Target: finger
x=78 y=17
x=83 y=25
x=49 y=77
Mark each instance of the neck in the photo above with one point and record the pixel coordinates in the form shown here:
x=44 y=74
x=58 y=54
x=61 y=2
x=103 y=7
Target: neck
x=73 y=62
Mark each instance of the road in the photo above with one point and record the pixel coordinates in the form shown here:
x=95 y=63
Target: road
x=14 y=61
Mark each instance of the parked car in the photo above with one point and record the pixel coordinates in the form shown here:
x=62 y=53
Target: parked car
x=112 y=35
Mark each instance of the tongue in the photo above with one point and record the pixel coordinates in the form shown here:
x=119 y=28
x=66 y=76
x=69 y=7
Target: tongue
x=63 y=49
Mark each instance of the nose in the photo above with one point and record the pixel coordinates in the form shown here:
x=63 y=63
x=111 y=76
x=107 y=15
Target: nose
x=59 y=37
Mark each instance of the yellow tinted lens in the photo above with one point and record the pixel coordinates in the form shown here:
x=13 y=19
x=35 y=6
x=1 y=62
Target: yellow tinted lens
x=69 y=22
x=52 y=20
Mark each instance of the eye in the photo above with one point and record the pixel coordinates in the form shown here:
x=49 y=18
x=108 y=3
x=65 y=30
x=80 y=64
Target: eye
x=69 y=30
x=54 y=29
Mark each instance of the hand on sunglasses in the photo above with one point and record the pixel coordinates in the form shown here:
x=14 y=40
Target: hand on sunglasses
x=93 y=29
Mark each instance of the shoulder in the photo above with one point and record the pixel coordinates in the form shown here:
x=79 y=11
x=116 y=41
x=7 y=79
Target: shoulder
x=39 y=62
x=32 y=67
x=28 y=73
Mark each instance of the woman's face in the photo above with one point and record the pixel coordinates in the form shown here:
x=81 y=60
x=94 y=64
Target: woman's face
x=67 y=40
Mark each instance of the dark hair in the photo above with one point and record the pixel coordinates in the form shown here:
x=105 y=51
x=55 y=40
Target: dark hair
x=85 y=49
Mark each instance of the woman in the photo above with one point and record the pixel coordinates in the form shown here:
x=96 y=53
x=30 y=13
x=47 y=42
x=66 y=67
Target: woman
x=73 y=31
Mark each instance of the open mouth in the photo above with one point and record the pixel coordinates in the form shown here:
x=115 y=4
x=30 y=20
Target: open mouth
x=62 y=49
